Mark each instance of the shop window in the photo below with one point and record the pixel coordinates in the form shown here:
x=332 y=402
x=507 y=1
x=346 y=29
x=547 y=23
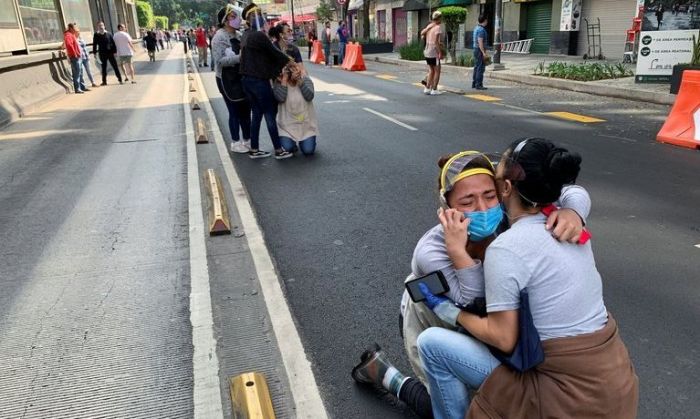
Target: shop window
x=42 y=22
x=78 y=11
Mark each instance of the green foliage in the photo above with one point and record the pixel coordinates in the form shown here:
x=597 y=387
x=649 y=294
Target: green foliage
x=144 y=14
x=465 y=60
x=161 y=22
x=324 y=12
x=452 y=17
x=583 y=72
x=175 y=26
x=366 y=41
x=412 y=51
x=695 y=60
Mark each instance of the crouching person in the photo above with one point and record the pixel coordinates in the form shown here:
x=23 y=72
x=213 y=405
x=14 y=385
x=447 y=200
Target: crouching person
x=296 y=116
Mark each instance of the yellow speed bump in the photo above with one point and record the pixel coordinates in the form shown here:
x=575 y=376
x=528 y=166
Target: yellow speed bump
x=219 y=222
x=195 y=104
x=201 y=134
x=251 y=397
x=485 y=98
x=574 y=117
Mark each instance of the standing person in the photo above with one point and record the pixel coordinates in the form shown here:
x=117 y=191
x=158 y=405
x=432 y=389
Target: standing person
x=342 y=34
x=296 y=116
x=210 y=36
x=167 y=39
x=326 y=39
x=433 y=53
x=311 y=37
x=479 y=41
x=184 y=39
x=103 y=44
x=226 y=50
x=261 y=62
x=84 y=58
x=159 y=38
x=70 y=43
x=125 y=52
x=151 y=45
x=659 y=16
x=201 y=40
x=192 y=40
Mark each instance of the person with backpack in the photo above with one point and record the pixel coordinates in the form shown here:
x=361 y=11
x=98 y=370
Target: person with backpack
x=226 y=50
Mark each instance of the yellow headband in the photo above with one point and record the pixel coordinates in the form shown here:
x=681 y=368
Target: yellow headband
x=464 y=174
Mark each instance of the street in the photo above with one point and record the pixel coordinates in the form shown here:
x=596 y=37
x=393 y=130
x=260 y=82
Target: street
x=97 y=238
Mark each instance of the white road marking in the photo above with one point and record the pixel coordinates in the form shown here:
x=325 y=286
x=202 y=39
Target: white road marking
x=390 y=119
x=207 y=393
x=698 y=246
x=301 y=379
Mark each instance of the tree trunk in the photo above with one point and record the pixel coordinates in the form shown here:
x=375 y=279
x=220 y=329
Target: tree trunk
x=365 y=20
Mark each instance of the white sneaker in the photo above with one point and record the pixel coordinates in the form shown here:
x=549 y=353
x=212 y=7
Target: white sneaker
x=247 y=143
x=435 y=92
x=239 y=147
x=426 y=91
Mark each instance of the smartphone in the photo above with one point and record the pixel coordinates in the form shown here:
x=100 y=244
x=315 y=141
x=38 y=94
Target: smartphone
x=436 y=282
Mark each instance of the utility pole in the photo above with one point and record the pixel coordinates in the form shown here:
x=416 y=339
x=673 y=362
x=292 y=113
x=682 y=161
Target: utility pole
x=497 y=36
x=291 y=2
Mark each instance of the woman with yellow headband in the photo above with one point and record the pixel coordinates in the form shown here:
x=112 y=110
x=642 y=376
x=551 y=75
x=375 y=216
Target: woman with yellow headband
x=470 y=216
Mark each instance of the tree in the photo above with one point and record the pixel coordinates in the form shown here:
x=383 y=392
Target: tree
x=144 y=14
x=161 y=22
x=324 y=12
x=452 y=17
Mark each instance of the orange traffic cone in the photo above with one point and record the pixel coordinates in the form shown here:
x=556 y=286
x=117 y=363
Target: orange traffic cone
x=353 y=58
x=682 y=127
x=317 y=56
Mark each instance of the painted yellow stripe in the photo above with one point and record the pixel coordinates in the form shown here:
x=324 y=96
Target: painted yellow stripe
x=574 y=117
x=418 y=85
x=485 y=98
x=386 y=77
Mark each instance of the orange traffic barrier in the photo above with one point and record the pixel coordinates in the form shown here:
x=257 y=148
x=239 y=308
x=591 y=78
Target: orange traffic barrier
x=353 y=58
x=317 y=56
x=682 y=127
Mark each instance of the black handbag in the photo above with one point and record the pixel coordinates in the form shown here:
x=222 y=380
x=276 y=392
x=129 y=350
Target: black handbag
x=528 y=352
x=231 y=77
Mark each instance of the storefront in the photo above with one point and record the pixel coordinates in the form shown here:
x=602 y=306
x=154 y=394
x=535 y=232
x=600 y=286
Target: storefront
x=615 y=19
x=539 y=25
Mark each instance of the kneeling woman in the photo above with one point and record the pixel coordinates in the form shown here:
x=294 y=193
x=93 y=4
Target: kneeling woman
x=586 y=370
x=296 y=116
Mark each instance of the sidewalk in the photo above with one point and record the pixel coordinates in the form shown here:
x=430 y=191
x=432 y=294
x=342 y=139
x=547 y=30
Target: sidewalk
x=520 y=69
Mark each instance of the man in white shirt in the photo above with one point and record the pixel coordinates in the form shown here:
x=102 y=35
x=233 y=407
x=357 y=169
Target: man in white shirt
x=125 y=52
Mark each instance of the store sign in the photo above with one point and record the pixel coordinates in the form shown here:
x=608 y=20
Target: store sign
x=570 y=16
x=659 y=51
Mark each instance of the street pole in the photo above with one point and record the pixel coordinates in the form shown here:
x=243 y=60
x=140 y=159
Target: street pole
x=497 y=39
x=291 y=2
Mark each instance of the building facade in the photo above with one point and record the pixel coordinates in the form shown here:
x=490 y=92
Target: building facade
x=30 y=25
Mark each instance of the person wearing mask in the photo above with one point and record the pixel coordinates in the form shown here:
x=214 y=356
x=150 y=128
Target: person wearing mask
x=479 y=42
x=296 y=116
x=125 y=52
x=326 y=39
x=226 y=49
x=537 y=290
x=342 y=35
x=84 y=58
x=433 y=53
x=282 y=38
x=103 y=45
x=70 y=43
x=201 y=40
x=261 y=62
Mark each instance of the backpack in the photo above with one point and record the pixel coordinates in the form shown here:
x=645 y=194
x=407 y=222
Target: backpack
x=231 y=77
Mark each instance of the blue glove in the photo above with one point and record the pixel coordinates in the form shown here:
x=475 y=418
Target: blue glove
x=441 y=306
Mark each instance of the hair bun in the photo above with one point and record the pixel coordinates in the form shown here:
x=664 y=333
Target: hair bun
x=563 y=166
x=442 y=161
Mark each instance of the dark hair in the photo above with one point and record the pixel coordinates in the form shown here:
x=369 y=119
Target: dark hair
x=276 y=32
x=544 y=170
x=120 y=26
x=480 y=162
x=482 y=19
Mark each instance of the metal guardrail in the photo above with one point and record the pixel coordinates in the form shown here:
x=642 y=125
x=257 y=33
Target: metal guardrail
x=518 y=47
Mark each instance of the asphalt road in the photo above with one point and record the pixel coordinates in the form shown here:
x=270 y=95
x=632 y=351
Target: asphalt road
x=342 y=225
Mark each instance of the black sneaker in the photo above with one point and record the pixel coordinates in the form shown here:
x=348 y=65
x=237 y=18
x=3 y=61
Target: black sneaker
x=481 y=88
x=284 y=154
x=372 y=366
x=103 y=84
x=258 y=154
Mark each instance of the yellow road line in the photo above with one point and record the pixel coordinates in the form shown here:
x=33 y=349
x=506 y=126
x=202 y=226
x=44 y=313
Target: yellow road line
x=418 y=84
x=485 y=98
x=386 y=77
x=574 y=117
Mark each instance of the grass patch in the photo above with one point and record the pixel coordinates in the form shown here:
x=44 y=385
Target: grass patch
x=583 y=72
x=465 y=60
x=412 y=51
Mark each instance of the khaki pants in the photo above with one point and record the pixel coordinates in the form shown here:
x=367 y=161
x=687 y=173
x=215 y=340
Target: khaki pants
x=202 y=56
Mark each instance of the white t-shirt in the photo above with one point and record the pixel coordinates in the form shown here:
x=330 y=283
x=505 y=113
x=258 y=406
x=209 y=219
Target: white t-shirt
x=123 y=42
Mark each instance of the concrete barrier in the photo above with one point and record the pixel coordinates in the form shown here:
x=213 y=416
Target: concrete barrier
x=219 y=221
x=251 y=397
x=201 y=131
x=194 y=103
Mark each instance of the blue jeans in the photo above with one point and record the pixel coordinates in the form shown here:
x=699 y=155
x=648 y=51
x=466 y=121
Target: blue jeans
x=263 y=103
x=307 y=146
x=77 y=74
x=479 y=68
x=86 y=67
x=238 y=115
x=341 y=52
x=327 y=52
x=454 y=363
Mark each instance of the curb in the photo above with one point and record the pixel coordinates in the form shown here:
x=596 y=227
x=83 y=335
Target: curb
x=576 y=86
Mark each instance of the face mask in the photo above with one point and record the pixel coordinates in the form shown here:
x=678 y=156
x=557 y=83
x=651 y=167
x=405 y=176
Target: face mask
x=484 y=223
x=290 y=38
x=235 y=22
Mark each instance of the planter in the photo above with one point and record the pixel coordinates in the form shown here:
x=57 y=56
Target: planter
x=677 y=75
x=377 y=48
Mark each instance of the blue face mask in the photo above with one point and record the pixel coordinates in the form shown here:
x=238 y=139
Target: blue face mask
x=484 y=223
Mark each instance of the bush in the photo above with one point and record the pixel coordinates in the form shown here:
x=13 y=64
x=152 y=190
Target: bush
x=583 y=72
x=412 y=51
x=465 y=60
x=161 y=22
x=144 y=14
x=452 y=17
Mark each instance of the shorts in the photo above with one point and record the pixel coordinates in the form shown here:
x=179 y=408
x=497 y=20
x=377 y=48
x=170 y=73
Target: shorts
x=431 y=61
x=125 y=59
